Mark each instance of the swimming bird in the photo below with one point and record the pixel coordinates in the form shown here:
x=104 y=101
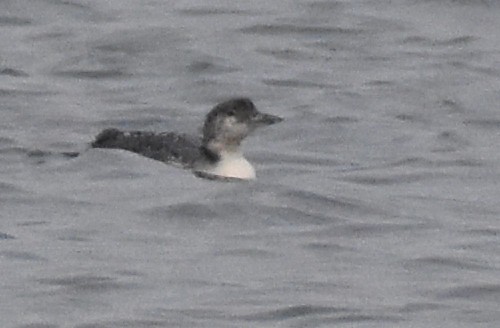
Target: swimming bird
x=217 y=154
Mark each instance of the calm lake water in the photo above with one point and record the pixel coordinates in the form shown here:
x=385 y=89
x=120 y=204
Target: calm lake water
x=377 y=199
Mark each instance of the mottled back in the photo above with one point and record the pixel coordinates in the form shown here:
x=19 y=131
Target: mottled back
x=166 y=147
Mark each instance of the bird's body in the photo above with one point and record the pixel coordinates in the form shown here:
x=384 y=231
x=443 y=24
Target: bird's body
x=165 y=147
x=216 y=154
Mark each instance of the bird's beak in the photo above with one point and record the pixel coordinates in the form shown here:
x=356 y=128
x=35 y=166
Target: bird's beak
x=265 y=119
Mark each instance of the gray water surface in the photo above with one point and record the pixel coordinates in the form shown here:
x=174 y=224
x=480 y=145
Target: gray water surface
x=377 y=199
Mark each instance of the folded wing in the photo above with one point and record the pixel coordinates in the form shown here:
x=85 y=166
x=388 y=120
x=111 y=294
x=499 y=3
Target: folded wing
x=167 y=147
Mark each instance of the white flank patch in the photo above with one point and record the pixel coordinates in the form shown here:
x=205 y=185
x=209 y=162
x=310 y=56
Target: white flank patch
x=233 y=165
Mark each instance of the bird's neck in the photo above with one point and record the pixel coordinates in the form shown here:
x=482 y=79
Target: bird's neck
x=227 y=162
x=234 y=165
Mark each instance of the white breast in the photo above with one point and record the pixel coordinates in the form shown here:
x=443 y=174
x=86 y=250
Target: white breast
x=233 y=165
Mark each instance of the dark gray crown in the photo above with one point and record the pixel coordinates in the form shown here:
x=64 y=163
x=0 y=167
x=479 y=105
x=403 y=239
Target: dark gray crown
x=242 y=109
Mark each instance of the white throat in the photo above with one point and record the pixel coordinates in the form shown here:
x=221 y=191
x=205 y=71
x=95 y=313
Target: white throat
x=232 y=165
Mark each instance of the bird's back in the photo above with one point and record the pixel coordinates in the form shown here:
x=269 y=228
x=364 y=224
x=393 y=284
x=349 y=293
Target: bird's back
x=166 y=147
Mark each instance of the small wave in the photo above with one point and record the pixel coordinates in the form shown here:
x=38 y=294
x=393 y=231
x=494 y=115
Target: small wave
x=327 y=6
x=329 y=204
x=444 y=262
x=292 y=312
x=370 y=229
x=391 y=179
x=127 y=324
x=26 y=93
x=4 y=236
x=23 y=256
x=39 y=325
x=420 y=307
x=279 y=29
x=325 y=246
x=427 y=163
x=285 y=54
x=492 y=232
x=319 y=314
x=478 y=291
x=9 y=188
x=210 y=11
x=94 y=74
x=484 y=123
x=14 y=21
x=246 y=252
x=459 y=41
x=184 y=210
x=13 y=72
x=293 y=83
x=205 y=66
x=86 y=283
x=38 y=156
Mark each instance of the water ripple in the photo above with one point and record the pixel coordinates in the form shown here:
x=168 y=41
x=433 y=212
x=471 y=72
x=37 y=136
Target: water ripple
x=38 y=325
x=455 y=41
x=321 y=202
x=210 y=11
x=477 y=291
x=4 y=236
x=484 y=123
x=184 y=210
x=247 y=252
x=19 y=255
x=13 y=72
x=292 y=312
x=325 y=6
x=209 y=67
x=428 y=163
x=94 y=74
x=319 y=315
x=86 y=283
x=445 y=262
x=420 y=307
x=279 y=29
x=391 y=179
x=128 y=324
x=293 y=83
x=14 y=21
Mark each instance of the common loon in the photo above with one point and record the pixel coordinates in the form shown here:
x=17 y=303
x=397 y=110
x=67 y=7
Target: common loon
x=216 y=155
